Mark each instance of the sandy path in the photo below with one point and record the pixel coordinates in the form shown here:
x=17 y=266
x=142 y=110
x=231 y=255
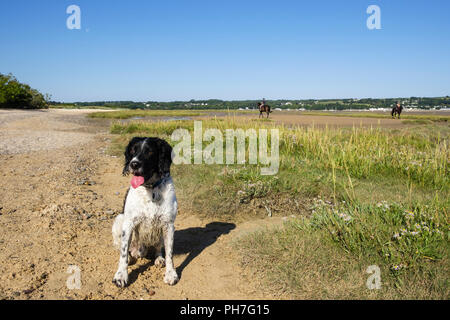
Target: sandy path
x=59 y=195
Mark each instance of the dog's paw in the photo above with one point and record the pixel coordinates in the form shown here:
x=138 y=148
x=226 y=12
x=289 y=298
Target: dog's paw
x=120 y=279
x=171 y=277
x=160 y=262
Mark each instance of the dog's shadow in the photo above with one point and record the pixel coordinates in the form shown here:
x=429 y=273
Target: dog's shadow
x=191 y=241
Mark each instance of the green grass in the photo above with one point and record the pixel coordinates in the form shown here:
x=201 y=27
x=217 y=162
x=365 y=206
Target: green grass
x=386 y=115
x=127 y=114
x=82 y=107
x=358 y=152
x=326 y=256
x=360 y=197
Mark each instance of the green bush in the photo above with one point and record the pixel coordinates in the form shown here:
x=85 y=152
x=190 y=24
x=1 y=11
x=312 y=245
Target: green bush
x=14 y=94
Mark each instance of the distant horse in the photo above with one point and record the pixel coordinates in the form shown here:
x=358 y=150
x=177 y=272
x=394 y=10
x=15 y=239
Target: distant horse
x=263 y=108
x=396 y=110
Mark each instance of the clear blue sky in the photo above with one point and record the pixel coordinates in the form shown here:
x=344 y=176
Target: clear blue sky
x=196 y=49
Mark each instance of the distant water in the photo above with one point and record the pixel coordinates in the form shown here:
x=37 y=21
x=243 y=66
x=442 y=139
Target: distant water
x=175 y=118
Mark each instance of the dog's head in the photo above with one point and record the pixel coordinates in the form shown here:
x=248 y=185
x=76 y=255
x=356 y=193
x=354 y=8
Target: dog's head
x=149 y=158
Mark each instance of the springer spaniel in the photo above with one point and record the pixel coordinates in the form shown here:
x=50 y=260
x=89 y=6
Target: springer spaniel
x=150 y=208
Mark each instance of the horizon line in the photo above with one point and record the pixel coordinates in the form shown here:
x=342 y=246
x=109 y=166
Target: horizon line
x=238 y=100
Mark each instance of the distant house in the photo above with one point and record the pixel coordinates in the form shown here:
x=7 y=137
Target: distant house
x=190 y=104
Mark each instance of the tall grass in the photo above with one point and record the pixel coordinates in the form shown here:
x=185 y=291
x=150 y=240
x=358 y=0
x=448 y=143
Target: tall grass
x=357 y=152
x=365 y=153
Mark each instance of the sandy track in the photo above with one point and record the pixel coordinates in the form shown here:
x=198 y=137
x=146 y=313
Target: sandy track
x=60 y=193
x=26 y=131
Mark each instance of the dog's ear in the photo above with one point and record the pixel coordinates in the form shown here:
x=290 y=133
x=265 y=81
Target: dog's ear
x=165 y=157
x=128 y=155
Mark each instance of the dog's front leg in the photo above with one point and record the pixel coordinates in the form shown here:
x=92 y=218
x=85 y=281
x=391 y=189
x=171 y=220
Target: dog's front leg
x=171 y=276
x=121 y=277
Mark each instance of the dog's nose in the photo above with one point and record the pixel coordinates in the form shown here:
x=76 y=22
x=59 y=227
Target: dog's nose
x=135 y=164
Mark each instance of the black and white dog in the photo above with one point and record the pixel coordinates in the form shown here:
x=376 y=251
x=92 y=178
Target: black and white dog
x=150 y=208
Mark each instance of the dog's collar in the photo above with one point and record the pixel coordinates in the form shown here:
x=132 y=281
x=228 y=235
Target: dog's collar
x=157 y=183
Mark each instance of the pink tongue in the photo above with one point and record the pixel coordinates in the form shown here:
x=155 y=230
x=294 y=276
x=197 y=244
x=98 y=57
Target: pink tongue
x=136 y=181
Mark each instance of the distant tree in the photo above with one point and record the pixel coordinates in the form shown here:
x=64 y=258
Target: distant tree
x=14 y=94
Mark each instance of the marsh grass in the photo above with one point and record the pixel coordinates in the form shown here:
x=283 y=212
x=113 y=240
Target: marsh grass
x=420 y=118
x=127 y=114
x=356 y=152
x=359 y=196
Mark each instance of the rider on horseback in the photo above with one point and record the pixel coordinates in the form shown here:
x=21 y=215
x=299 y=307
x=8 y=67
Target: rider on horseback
x=263 y=103
x=397 y=110
x=263 y=107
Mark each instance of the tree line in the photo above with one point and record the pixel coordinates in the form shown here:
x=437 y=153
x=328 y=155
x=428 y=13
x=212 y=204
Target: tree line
x=14 y=94
x=329 y=104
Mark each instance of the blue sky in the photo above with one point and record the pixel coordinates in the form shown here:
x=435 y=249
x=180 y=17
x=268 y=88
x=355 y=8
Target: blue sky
x=195 y=49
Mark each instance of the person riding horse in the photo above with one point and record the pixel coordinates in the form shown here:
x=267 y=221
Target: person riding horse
x=264 y=108
x=397 y=109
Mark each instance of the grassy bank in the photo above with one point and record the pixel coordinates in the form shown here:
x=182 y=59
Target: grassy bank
x=127 y=114
x=326 y=255
x=358 y=197
x=63 y=106
x=420 y=118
